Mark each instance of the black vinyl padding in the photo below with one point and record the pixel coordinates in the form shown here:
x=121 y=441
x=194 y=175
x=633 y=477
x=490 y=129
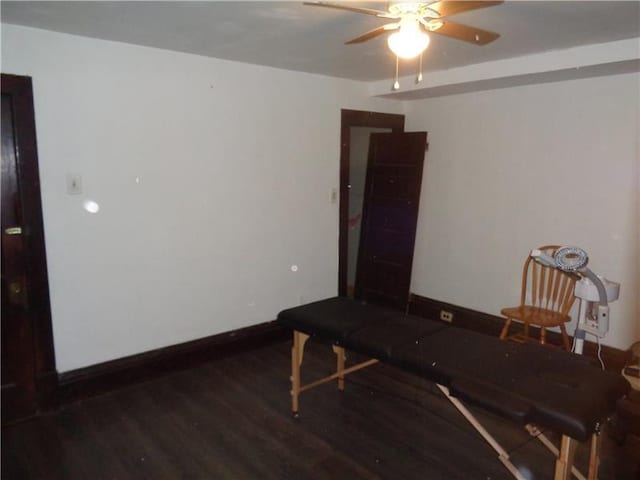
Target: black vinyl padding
x=379 y=339
x=526 y=383
x=333 y=319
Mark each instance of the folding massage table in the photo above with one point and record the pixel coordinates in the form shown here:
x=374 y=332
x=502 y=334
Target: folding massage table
x=537 y=387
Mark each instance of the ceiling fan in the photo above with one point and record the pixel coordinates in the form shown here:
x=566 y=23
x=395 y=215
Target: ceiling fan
x=414 y=19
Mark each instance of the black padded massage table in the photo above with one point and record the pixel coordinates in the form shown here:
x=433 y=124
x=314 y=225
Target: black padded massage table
x=535 y=386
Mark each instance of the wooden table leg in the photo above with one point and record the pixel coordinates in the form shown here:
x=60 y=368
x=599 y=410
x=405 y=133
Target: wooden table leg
x=295 y=374
x=594 y=461
x=339 y=351
x=297 y=351
x=564 y=461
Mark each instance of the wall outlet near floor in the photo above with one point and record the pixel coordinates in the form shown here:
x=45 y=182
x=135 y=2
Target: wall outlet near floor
x=446 y=316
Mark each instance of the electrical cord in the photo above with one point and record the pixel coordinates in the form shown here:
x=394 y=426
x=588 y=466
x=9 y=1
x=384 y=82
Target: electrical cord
x=600 y=351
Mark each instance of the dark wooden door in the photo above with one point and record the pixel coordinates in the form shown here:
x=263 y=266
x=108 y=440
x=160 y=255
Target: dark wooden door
x=390 y=215
x=28 y=369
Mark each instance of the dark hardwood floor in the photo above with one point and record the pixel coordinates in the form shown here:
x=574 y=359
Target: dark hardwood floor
x=229 y=419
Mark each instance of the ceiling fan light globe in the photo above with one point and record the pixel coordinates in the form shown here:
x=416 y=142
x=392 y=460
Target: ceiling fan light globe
x=408 y=43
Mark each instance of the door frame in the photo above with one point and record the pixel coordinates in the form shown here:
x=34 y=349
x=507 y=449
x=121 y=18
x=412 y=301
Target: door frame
x=45 y=379
x=355 y=118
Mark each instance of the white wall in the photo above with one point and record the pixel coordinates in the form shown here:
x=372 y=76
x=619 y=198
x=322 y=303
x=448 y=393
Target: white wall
x=235 y=166
x=508 y=170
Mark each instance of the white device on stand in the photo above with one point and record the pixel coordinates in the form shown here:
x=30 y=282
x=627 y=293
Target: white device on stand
x=594 y=292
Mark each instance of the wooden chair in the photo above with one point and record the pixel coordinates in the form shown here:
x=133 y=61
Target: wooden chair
x=545 y=301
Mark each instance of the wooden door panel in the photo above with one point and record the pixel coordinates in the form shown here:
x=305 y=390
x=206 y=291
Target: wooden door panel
x=385 y=185
x=18 y=391
x=390 y=215
x=401 y=149
x=389 y=246
x=28 y=365
x=386 y=282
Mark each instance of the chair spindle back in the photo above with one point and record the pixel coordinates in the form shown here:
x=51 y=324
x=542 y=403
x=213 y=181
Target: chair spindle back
x=547 y=287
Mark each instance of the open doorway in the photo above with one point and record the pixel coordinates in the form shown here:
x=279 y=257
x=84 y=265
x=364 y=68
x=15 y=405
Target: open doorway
x=358 y=158
x=356 y=128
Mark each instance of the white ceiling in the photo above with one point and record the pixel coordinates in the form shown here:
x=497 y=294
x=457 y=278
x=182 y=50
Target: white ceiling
x=292 y=36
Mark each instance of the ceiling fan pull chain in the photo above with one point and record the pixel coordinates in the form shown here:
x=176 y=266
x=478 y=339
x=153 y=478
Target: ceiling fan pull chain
x=396 y=84
x=419 y=77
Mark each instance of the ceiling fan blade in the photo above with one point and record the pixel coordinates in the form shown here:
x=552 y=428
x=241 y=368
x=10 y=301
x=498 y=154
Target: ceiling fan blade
x=368 y=11
x=448 y=8
x=374 y=33
x=465 y=33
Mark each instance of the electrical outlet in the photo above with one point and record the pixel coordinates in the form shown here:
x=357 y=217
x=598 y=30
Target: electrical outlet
x=446 y=316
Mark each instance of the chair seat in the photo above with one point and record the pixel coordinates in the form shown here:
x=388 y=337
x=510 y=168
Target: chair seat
x=536 y=315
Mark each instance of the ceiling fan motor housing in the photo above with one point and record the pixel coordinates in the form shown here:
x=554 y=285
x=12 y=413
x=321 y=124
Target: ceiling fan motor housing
x=420 y=9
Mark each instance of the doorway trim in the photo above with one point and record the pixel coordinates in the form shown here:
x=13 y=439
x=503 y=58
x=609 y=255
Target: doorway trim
x=355 y=118
x=20 y=89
